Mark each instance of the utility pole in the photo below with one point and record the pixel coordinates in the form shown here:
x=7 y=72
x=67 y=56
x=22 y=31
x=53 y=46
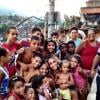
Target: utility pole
x=51 y=23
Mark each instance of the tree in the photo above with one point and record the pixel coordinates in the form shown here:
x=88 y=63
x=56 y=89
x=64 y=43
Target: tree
x=71 y=21
x=3 y=28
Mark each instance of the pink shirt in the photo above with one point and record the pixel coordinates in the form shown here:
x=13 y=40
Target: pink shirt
x=80 y=81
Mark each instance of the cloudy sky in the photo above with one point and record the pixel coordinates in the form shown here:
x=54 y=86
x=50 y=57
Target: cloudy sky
x=39 y=7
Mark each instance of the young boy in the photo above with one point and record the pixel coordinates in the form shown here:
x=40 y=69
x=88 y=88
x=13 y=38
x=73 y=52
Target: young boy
x=34 y=48
x=54 y=37
x=12 y=46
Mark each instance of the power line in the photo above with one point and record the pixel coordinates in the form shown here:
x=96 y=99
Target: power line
x=28 y=19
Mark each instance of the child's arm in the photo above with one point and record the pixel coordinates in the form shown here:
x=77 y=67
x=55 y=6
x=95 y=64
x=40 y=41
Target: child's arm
x=22 y=65
x=20 y=51
x=60 y=98
x=71 y=80
x=56 y=78
x=21 y=71
x=1 y=78
x=30 y=65
x=81 y=72
x=30 y=75
x=47 y=94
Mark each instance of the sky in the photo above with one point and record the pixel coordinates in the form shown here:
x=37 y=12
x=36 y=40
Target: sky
x=40 y=7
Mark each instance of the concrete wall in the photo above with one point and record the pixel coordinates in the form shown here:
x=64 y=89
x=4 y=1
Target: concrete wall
x=93 y=3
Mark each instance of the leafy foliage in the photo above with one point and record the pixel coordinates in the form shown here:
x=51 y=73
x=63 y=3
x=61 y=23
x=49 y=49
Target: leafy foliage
x=3 y=28
x=71 y=21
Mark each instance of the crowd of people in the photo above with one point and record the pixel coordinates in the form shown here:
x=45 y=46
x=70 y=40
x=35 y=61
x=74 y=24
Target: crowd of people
x=62 y=67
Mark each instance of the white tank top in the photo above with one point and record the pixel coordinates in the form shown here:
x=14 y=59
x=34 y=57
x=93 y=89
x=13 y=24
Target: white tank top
x=4 y=70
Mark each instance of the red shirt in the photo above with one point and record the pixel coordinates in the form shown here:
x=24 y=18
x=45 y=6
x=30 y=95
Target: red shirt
x=87 y=55
x=12 y=49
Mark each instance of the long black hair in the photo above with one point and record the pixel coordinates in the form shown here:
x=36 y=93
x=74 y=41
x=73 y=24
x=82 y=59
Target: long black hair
x=47 y=42
x=13 y=80
x=36 y=83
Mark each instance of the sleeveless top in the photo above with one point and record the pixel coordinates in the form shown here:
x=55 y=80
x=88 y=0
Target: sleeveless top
x=4 y=84
x=79 y=79
x=87 y=55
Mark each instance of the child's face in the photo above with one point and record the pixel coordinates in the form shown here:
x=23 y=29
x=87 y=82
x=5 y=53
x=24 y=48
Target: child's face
x=19 y=88
x=12 y=35
x=55 y=38
x=53 y=63
x=73 y=62
x=63 y=48
x=62 y=35
x=37 y=33
x=43 y=69
x=65 y=67
x=51 y=47
x=35 y=44
x=74 y=34
x=36 y=61
x=30 y=95
x=27 y=56
x=6 y=58
x=46 y=82
x=71 y=48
